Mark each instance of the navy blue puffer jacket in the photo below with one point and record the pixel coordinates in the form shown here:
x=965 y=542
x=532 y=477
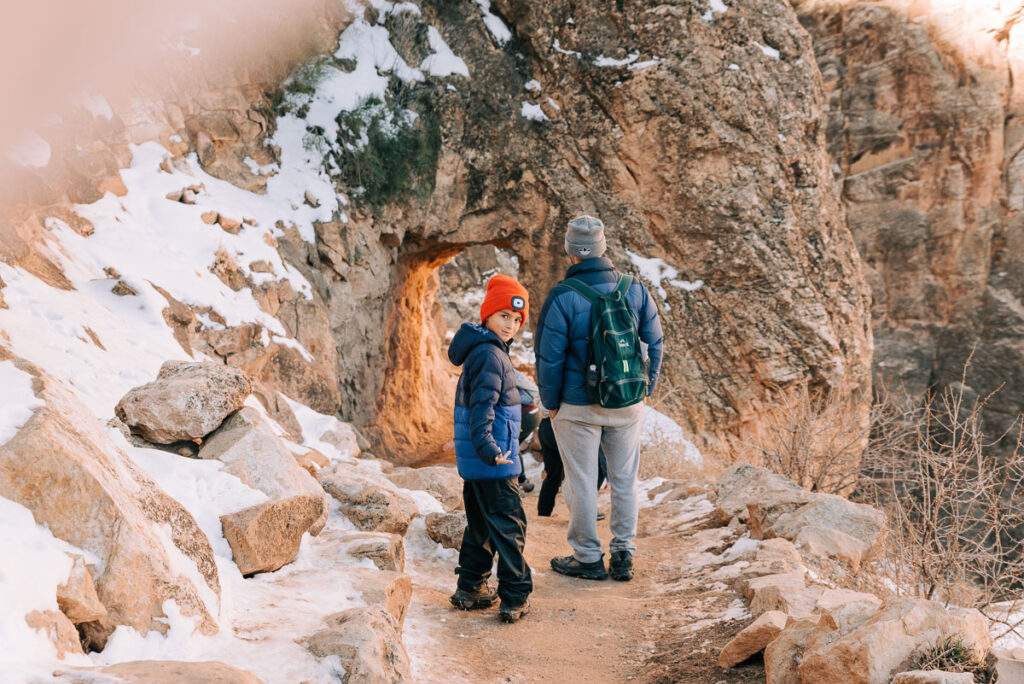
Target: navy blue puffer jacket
x=563 y=327
x=487 y=405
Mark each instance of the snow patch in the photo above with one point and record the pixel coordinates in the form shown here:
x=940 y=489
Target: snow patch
x=494 y=24
x=602 y=61
x=767 y=51
x=443 y=62
x=654 y=270
x=716 y=7
x=533 y=112
x=17 y=401
x=661 y=431
x=532 y=85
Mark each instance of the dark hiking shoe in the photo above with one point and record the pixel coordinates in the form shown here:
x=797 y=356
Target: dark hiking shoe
x=481 y=597
x=527 y=486
x=573 y=568
x=621 y=566
x=510 y=613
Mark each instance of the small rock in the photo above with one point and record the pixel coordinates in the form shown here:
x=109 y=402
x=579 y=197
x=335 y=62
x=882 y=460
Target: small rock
x=123 y=289
x=447 y=529
x=387 y=551
x=174 y=195
x=188 y=196
x=744 y=484
x=311 y=199
x=753 y=638
x=210 y=217
x=77 y=597
x=229 y=225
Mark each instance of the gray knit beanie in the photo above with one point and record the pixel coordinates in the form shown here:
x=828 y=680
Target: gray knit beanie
x=584 y=239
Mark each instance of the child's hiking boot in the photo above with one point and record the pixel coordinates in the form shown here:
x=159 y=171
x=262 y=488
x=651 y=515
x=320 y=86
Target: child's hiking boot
x=568 y=565
x=621 y=566
x=511 y=613
x=481 y=597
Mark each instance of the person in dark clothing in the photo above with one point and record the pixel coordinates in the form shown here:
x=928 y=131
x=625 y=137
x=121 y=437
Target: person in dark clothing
x=487 y=421
x=531 y=417
x=554 y=472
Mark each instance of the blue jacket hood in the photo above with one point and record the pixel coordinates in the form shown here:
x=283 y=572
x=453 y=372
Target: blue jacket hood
x=469 y=336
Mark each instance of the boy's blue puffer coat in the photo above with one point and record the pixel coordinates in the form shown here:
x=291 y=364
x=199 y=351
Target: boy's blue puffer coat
x=487 y=405
x=563 y=327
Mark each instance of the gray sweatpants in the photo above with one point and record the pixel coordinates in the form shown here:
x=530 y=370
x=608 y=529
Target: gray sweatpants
x=580 y=430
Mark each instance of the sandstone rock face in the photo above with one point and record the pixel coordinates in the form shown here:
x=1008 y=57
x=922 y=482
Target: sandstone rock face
x=110 y=508
x=443 y=482
x=871 y=653
x=783 y=655
x=447 y=529
x=387 y=551
x=925 y=130
x=386 y=589
x=265 y=536
x=753 y=638
x=77 y=597
x=186 y=401
x=369 y=643
x=372 y=503
x=753 y=148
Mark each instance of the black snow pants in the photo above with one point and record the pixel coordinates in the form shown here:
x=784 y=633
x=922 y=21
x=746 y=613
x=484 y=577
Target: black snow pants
x=554 y=472
x=495 y=524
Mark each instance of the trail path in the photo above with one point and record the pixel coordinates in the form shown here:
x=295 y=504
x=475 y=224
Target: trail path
x=584 y=630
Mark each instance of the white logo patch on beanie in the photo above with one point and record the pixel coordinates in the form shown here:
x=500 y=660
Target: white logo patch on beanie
x=518 y=304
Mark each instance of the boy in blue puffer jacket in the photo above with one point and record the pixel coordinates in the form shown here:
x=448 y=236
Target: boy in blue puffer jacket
x=487 y=422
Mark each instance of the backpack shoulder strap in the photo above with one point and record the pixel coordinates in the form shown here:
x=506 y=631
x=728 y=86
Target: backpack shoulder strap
x=582 y=288
x=625 y=282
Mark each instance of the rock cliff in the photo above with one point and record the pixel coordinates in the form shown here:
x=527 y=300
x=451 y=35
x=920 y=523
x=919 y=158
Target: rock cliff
x=925 y=132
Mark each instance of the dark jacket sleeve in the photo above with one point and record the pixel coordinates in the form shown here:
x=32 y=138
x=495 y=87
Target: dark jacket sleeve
x=485 y=373
x=650 y=332
x=550 y=346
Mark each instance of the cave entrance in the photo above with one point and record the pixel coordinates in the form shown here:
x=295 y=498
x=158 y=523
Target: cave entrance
x=438 y=290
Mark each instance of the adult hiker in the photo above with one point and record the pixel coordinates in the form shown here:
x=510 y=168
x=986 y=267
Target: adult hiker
x=593 y=379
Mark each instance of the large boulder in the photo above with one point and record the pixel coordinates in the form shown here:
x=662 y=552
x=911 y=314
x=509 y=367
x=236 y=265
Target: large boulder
x=368 y=643
x=187 y=401
x=385 y=589
x=369 y=500
x=902 y=628
x=745 y=484
x=443 y=482
x=782 y=656
x=267 y=535
x=834 y=526
x=65 y=469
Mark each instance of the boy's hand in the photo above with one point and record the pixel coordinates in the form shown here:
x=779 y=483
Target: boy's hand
x=503 y=459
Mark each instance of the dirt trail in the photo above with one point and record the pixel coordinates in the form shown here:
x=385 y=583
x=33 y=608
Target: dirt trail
x=579 y=630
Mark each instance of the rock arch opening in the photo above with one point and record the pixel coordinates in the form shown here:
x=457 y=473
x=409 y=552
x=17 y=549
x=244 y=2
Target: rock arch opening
x=436 y=290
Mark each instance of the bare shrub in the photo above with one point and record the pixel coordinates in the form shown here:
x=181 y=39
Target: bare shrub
x=815 y=438
x=955 y=504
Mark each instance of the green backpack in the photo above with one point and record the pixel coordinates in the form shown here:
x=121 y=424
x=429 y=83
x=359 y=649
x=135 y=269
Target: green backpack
x=615 y=370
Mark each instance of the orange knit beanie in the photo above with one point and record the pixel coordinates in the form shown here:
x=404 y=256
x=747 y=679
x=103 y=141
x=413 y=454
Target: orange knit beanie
x=504 y=292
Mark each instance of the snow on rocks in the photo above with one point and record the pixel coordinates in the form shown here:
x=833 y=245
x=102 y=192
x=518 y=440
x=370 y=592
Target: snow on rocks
x=187 y=401
x=144 y=548
x=367 y=643
x=370 y=501
x=442 y=481
x=829 y=633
